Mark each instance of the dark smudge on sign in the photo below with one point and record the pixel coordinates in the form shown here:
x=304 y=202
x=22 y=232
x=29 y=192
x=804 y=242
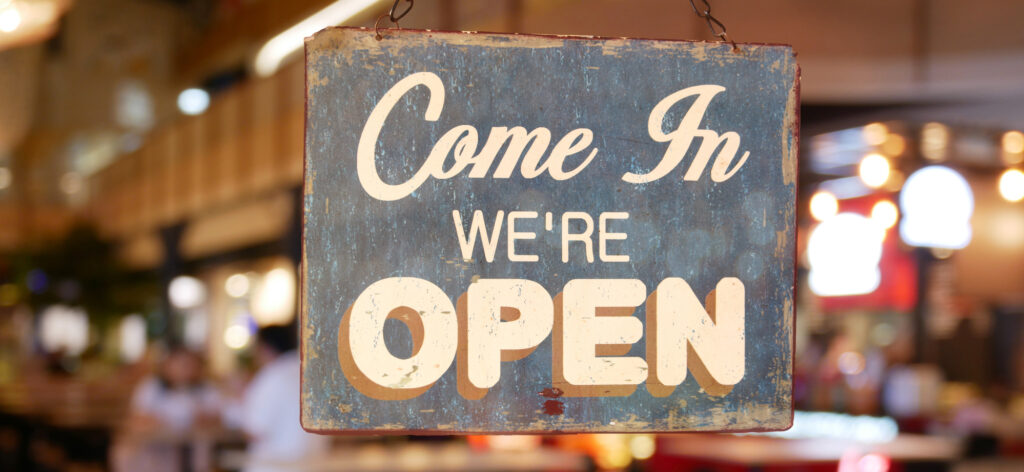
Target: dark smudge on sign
x=553 y=407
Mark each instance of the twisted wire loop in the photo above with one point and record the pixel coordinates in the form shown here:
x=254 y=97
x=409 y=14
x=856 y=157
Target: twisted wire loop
x=716 y=26
x=392 y=16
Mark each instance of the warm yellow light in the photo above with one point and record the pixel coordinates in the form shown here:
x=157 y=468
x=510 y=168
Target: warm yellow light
x=642 y=446
x=874 y=170
x=612 y=451
x=824 y=205
x=894 y=145
x=934 y=141
x=1013 y=147
x=236 y=336
x=875 y=133
x=1011 y=159
x=237 y=286
x=514 y=442
x=1013 y=142
x=273 y=301
x=1011 y=185
x=885 y=214
x=10 y=18
x=895 y=182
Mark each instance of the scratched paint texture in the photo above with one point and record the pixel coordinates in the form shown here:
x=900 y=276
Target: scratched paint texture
x=701 y=231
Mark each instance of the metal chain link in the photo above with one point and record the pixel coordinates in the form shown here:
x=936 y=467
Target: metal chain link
x=392 y=16
x=716 y=27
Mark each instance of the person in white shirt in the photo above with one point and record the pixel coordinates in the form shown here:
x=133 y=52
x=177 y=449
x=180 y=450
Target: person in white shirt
x=165 y=409
x=270 y=407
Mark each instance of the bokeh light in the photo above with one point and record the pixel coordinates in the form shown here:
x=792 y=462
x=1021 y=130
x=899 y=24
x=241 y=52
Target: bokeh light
x=851 y=363
x=937 y=204
x=193 y=101
x=10 y=18
x=274 y=300
x=1013 y=142
x=894 y=145
x=934 y=141
x=236 y=336
x=237 y=285
x=885 y=214
x=642 y=446
x=64 y=329
x=824 y=205
x=875 y=133
x=186 y=292
x=132 y=338
x=1011 y=185
x=844 y=252
x=874 y=170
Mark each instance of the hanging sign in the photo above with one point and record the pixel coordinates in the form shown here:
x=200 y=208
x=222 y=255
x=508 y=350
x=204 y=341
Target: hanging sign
x=510 y=233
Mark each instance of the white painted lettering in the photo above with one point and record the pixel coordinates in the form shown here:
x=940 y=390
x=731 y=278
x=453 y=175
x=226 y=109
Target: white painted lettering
x=680 y=139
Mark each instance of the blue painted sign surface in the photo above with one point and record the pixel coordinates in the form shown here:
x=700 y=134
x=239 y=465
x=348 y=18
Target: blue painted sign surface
x=512 y=233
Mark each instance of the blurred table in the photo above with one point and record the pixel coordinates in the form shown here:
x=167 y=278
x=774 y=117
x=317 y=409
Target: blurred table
x=193 y=449
x=67 y=402
x=58 y=421
x=371 y=457
x=765 y=453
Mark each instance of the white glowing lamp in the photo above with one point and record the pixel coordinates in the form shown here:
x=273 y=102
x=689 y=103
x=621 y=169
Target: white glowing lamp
x=186 y=292
x=10 y=17
x=193 y=101
x=64 y=329
x=937 y=204
x=844 y=252
x=274 y=300
x=132 y=338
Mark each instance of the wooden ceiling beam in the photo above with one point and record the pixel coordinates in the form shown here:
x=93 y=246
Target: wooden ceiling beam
x=227 y=42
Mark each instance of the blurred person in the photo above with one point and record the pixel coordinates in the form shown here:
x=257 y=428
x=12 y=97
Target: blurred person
x=164 y=408
x=805 y=370
x=864 y=384
x=269 y=411
x=178 y=397
x=829 y=387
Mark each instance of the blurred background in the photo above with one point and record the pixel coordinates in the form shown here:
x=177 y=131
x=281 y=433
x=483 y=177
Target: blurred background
x=150 y=191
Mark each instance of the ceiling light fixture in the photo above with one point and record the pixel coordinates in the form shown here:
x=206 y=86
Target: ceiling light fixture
x=193 y=101
x=274 y=52
x=10 y=18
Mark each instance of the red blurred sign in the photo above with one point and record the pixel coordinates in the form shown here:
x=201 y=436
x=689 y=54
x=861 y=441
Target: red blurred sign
x=898 y=289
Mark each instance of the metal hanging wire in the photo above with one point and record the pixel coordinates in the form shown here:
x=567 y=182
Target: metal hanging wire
x=716 y=26
x=391 y=15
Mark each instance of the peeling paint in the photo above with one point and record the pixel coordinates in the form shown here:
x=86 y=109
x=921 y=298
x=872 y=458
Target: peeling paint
x=789 y=145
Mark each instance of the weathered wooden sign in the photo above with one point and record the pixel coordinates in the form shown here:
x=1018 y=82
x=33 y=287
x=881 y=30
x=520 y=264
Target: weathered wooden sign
x=543 y=234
